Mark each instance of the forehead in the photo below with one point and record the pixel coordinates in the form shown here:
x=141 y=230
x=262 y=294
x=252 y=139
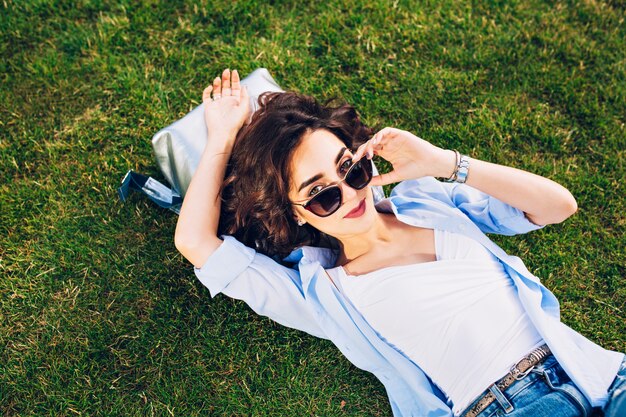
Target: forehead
x=314 y=155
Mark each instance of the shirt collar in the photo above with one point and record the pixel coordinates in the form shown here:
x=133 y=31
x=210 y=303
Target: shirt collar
x=309 y=254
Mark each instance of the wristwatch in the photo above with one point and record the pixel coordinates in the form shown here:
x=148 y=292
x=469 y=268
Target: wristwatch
x=461 y=171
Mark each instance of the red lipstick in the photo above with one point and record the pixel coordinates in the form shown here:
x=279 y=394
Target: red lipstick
x=357 y=211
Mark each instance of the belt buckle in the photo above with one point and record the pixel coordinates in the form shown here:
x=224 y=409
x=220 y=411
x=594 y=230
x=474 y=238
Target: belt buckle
x=518 y=375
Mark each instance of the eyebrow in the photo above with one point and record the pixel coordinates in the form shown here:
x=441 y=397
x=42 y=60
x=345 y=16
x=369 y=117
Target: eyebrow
x=318 y=176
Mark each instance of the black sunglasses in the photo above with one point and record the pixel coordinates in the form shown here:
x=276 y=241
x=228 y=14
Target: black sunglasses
x=328 y=199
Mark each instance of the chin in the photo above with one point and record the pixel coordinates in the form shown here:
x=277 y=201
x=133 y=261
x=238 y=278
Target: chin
x=342 y=227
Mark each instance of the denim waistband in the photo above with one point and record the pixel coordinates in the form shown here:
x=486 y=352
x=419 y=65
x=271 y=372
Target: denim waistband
x=548 y=376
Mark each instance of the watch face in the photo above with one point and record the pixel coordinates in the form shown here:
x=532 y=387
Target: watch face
x=462 y=169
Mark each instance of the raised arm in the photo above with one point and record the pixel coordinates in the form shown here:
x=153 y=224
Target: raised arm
x=196 y=231
x=542 y=200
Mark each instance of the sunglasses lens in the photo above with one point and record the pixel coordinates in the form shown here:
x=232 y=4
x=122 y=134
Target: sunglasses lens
x=326 y=202
x=360 y=174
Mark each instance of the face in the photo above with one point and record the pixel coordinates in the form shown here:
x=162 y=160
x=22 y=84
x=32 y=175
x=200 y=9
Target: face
x=321 y=159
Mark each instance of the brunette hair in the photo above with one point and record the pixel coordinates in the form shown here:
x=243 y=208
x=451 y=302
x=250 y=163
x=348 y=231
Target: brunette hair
x=255 y=204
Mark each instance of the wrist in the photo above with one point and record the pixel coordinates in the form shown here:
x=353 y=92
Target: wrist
x=445 y=164
x=220 y=141
x=461 y=168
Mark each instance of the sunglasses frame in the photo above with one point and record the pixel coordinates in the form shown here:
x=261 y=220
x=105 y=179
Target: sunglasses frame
x=306 y=203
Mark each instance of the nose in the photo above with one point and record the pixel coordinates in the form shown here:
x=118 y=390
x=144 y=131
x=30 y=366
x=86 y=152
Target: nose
x=348 y=193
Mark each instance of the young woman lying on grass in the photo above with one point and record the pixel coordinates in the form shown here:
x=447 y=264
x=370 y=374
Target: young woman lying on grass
x=414 y=291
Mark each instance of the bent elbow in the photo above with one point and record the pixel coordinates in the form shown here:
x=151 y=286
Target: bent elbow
x=566 y=209
x=572 y=206
x=180 y=242
x=195 y=248
x=569 y=206
x=185 y=242
x=560 y=211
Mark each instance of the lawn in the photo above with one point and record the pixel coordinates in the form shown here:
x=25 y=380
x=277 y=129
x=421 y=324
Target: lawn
x=99 y=314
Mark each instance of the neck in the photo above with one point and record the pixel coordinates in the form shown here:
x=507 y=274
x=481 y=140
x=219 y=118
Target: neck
x=357 y=245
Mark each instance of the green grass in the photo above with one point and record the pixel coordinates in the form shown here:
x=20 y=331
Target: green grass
x=99 y=314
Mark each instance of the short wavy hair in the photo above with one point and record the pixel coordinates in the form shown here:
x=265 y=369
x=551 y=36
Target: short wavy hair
x=255 y=205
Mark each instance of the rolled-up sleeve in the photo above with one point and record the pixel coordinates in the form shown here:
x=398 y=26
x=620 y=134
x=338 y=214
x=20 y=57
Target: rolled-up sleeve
x=225 y=264
x=269 y=288
x=490 y=214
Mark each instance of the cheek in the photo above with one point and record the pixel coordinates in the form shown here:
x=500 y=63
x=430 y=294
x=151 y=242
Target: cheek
x=328 y=225
x=337 y=226
x=300 y=212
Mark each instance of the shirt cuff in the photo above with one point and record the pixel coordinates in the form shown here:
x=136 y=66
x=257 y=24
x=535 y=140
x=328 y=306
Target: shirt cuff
x=510 y=219
x=225 y=264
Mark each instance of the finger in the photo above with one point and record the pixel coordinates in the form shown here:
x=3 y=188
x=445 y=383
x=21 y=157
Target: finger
x=383 y=134
x=359 y=152
x=217 y=86
x=206 y=94
x=370 y=149
x=226 y=90
x=367 y=149
x=244 y=97
x=376 y=138
x=236 y=84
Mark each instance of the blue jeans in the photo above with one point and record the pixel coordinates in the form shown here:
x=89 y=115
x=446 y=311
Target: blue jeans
x=616 y=407
x=547 y=391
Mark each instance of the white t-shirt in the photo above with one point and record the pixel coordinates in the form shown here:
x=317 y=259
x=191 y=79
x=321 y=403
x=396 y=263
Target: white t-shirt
x=458 y=318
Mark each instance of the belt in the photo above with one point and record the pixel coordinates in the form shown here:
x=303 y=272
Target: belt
x=518 y=371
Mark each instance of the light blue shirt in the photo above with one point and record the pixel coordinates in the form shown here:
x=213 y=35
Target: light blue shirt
x=304 y=298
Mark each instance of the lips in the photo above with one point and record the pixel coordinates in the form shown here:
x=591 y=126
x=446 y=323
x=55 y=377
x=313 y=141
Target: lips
x=357 y=211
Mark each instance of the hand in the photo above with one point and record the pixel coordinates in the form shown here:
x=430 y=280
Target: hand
x=228 y=109
x=410 y=157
